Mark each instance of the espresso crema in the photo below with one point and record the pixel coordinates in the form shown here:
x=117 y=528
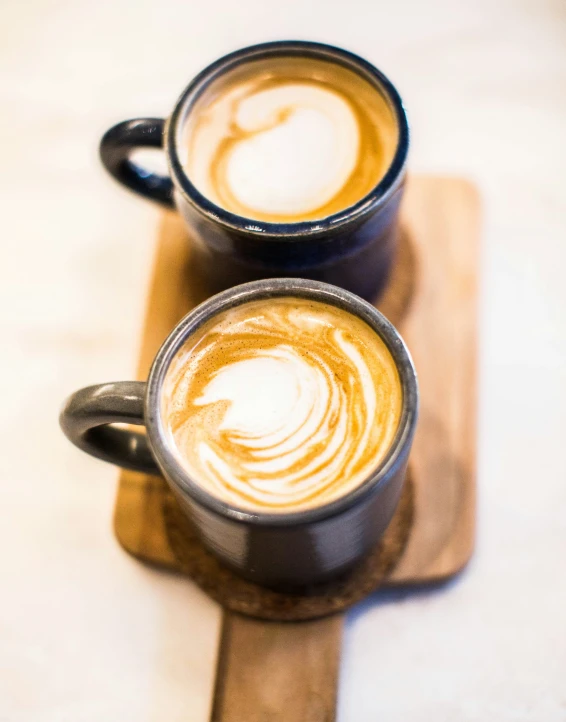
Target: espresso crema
x=289 y=139
x=282 y=404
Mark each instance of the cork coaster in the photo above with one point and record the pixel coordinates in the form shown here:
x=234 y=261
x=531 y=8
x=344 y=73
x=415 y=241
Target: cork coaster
x=238 y=595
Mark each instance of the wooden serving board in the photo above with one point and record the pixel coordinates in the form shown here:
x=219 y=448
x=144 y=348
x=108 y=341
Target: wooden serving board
x=288 y=671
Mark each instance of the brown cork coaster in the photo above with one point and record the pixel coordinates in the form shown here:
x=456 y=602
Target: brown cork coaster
x=244 y=597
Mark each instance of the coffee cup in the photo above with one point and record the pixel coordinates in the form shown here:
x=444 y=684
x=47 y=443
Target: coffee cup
x=281 y=413
x=286 y=159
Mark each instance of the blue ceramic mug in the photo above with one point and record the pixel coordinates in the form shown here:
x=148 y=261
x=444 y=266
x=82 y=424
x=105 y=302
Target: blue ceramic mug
x=353 y=248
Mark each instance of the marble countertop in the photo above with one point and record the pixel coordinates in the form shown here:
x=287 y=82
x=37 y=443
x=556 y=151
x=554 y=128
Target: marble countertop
x=88 y=633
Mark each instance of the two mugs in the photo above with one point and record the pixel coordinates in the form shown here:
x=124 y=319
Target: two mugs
x=281 y=411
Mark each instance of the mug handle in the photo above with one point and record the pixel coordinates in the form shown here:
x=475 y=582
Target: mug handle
x=88 y=419
x=116 y=147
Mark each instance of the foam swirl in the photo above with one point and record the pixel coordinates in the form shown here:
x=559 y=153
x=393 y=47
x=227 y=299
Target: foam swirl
x=282 y=404
x=289 y=140
x=307 y=136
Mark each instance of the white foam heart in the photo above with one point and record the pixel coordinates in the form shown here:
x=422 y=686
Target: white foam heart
x=301 y=147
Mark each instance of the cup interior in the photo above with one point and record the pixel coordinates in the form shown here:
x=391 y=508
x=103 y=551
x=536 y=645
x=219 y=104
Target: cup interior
x=257 y=290
x=228 y=70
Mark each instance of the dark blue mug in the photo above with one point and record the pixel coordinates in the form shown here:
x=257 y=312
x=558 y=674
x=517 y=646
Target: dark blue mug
x=353 y=248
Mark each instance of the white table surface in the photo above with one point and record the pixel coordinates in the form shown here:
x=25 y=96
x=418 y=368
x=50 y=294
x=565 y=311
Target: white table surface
x=89 y=634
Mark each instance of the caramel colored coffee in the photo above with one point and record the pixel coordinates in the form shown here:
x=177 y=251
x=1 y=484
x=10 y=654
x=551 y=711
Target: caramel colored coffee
x=289 y=139
x=282 y=405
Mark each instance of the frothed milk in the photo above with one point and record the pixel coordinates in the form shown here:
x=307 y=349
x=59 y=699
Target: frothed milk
x=282 y=404
x=289 y=139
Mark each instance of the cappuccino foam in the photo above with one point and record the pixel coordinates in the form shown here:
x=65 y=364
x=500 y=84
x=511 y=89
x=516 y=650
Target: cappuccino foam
x=290 y=139
x=282 y=404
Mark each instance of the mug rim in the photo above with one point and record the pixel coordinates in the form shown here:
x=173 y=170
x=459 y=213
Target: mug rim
x=371 y=202
x=270 y=288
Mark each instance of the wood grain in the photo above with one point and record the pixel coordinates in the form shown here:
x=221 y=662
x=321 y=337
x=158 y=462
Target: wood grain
x=441 y=216
x=277 y=672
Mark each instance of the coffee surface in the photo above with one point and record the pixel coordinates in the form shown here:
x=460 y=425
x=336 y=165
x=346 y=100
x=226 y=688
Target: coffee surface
x=282 y=404
x=289 y=140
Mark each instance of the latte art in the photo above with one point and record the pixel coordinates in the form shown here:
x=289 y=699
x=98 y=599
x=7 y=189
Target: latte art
x=282 y=404
x=290 y=140
x=305 y=134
